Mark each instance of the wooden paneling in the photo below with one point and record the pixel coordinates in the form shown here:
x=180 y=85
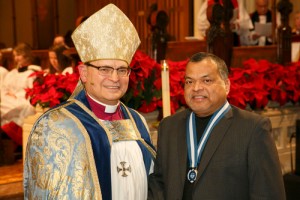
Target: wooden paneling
x=178 y=11
x=178 y=51
x=88 y=7
x=40 y=31
x=45 y=23
x=137 y=11
x=240 y=54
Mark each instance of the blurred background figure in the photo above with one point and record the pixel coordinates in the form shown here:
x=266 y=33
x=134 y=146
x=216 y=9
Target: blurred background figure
x=262 y=15
x=3 y=71
x=296 y=37
x=80 y=19
x=240 y=22
x=158 y=21
x=296 y=29
x=59 y=62
x=59 y=40
x=67 y=37
x=14 y=106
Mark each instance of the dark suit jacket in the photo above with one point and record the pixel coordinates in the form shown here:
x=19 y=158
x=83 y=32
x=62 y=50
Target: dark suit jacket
x=239 y=162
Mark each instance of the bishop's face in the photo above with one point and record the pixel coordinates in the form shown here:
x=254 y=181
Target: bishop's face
x=109 y=88
x=204 y=91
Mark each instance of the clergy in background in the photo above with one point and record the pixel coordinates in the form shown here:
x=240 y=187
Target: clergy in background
x=240 y=22
x=93 y=146
x=262 y=15
x=296 y=27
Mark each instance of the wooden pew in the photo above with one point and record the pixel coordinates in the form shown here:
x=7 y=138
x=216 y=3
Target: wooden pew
x=177 y=51
x=181 y=50
x=241 y=54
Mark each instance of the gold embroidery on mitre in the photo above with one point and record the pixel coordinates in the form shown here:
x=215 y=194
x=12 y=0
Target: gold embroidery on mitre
x=107 y=34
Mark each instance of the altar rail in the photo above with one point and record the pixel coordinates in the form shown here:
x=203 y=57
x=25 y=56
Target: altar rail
x=284 y=125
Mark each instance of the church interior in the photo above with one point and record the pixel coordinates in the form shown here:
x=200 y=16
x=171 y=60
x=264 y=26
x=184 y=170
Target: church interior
x=169 y=30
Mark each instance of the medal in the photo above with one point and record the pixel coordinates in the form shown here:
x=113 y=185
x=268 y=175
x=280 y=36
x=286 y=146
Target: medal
x=192 y=175
x=195 y=148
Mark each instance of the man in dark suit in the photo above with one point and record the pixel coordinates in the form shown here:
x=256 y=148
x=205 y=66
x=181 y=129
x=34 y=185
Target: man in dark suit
x=214 y=150
x=262 y=15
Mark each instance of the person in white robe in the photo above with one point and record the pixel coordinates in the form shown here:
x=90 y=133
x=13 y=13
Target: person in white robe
x=262 y=15
x=3 y=71
x=14 y=105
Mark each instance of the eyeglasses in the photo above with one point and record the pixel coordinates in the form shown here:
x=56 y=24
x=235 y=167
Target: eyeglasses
x=108 y=71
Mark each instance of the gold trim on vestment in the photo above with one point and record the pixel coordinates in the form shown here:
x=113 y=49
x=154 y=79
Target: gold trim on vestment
x=121 y=130
x=86 y=109
x=152 y=151
x=109 y=136
x=79 y=87
x=89 y=149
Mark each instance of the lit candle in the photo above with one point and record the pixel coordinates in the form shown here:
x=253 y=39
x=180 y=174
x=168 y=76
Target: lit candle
x=165 y=88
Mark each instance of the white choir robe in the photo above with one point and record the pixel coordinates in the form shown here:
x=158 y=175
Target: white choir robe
x=15 y=108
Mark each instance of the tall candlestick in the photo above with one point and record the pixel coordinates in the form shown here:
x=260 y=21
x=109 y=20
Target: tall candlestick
x=165 y=88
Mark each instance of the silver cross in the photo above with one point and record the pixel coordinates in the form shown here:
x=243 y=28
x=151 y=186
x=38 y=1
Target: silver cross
x=123 y=169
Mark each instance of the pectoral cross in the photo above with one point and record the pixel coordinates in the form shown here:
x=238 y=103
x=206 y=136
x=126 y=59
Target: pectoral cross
x=123 y=169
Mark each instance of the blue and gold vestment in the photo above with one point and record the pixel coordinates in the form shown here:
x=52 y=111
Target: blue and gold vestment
x=68 y=152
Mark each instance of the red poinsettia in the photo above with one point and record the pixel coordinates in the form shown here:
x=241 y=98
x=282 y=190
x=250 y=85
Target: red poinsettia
x=255 y=85
x=144 y=91
x=50 y=90
x=259 y=82
x=142 y=94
